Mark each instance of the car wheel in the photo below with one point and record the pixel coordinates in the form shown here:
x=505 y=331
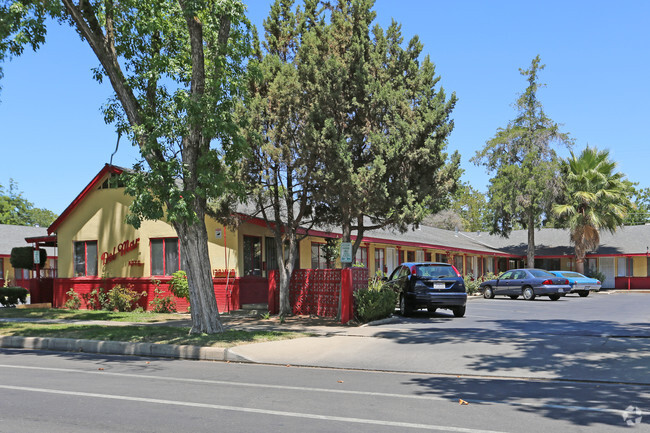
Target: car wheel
x=514 y=296
x=459 y=311
x=404 y=308
x=432 y=309
x=584 y=293
x=554 y=297
x=529 y=293
x=488 y=293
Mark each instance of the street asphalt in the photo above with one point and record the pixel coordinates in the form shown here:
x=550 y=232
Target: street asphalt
x=538 y=341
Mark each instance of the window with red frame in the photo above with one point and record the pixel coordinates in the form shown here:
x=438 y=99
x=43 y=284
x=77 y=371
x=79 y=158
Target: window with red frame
x=252 y=256
x=362 y=257
x=317 y=257
x=165 y=256
x=459 y=261
x=410 y=256
x=85 y=258
x=380 y=260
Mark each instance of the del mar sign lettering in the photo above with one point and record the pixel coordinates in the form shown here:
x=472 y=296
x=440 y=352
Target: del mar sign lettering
x=120 y=249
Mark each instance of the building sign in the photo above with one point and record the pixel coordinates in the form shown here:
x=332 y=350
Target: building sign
x=120 y=249
x=346 y=252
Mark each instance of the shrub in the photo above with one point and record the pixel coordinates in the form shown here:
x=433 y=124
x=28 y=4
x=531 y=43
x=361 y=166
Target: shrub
x=96 y=299
x=162 y=304
x=472 y=284
x=178 y=285
x=10 y=296
x=23 y=257
x=122 y=298
x=73 y=302
x=592 y=273
x=374 y=302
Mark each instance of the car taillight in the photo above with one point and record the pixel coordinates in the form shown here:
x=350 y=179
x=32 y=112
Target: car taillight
x=414 y=271
x=566 y=281
x=455 y=270
x=547 y=282
x=598 y=282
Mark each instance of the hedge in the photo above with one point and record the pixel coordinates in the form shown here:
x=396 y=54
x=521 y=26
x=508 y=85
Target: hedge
x=23 y=257
x=9 y=296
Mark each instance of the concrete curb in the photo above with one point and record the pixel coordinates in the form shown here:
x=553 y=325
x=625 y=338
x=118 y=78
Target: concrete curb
x=122 y=348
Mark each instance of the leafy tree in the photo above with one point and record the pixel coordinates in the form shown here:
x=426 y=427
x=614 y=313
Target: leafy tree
x=447 y=219
x=640 y=213
x=284 y=158
x=175 y=67
x=382 y=123
x=15 y=209
x=596 y=198
x=526 y=180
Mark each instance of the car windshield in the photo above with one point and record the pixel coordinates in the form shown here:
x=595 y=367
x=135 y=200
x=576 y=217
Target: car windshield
x=539 y=273
x=572 y=275
x=435 y=271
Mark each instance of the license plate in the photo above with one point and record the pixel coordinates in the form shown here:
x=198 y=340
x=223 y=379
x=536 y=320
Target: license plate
x=438 y=285
x=587 y=287
x=561 y=290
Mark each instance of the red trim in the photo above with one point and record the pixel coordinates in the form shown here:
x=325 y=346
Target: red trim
x=41 y=240
x=93 y=183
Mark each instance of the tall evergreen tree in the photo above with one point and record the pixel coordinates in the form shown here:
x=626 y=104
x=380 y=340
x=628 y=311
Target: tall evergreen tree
x=596 y=198
x=526 y=181
x=383 y=124
x=175 y=66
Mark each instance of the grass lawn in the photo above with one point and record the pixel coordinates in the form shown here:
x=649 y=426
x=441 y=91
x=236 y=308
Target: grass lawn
x=151 y=333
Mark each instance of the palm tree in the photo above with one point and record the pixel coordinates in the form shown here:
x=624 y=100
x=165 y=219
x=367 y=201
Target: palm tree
x=596 y=199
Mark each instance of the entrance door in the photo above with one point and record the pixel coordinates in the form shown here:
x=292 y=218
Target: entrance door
x=606 y=266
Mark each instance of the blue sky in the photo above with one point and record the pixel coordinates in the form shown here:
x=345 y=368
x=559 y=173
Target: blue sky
x=53 y=139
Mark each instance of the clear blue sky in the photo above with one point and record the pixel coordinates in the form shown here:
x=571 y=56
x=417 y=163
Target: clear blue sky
x=53 y=139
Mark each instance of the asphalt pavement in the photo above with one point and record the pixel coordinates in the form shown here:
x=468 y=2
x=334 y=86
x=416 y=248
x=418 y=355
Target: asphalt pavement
x=602 y=338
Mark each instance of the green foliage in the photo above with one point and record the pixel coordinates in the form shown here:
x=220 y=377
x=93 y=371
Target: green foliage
x=374 y=303
x=178 y=285
x=162 y=304
x=526 y=178
x=23 y=257
x=472 y=284
x=596 y=198
x=640 y=212
x=96 y=299
x=73 y=302
x=331 y=251
x=15 y=209
x=10 y=296
x=121 y=298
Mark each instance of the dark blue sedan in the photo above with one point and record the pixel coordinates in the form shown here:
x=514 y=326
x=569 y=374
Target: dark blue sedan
x=528 y=283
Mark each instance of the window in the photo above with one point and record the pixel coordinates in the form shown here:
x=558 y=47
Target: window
x=252 y=256
x=317 y=258
x=362 y=256
x=379 y=260
x=489 y=265
x=2 y=268
x=458 y=264
x=165 y=256
x=85 y=258
x=441 y=258
x=410 y=256
x=621 y=270
x=419 y=256
x=630 y=267
x=427 y=257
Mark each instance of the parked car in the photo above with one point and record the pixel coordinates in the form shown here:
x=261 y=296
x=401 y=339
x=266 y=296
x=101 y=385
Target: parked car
x=428 y=285
x=528 y=283
x=580 y=284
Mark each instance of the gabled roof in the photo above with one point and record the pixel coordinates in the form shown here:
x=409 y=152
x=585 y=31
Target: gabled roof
x=14 y=236
x=112 y=169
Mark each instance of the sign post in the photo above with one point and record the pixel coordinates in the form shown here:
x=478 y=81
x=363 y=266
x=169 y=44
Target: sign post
x=346 y=252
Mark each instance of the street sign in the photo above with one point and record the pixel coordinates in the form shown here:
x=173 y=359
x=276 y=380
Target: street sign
x=37 y=257
x=346 y=252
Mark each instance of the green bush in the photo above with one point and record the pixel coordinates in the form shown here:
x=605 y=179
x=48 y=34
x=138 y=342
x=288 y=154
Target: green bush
x=592 y=273
x=162 y=304
x=122 y=298
x=472 y=284
x=96 y=299
x=179 y=286
x=73 y=302
x=23 y=257
x=10 y=296
x=375 y=302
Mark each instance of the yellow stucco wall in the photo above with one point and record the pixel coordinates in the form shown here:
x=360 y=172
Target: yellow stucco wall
x=100 y=217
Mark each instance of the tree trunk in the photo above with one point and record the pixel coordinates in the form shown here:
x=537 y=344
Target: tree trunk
x=580 y=265
x=286 y=270
x=530 y=255
x=196 y=263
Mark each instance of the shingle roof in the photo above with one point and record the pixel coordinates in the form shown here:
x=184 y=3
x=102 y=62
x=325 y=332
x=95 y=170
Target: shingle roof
x=14 y=236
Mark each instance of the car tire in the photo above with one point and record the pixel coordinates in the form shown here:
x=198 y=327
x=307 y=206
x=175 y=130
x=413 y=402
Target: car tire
x=528 y=293
x=584 y=293
x=432 y=309
x=459 y=311
x=513 y=297
x=488 y=293
x=554 y=297
x=405 y=308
